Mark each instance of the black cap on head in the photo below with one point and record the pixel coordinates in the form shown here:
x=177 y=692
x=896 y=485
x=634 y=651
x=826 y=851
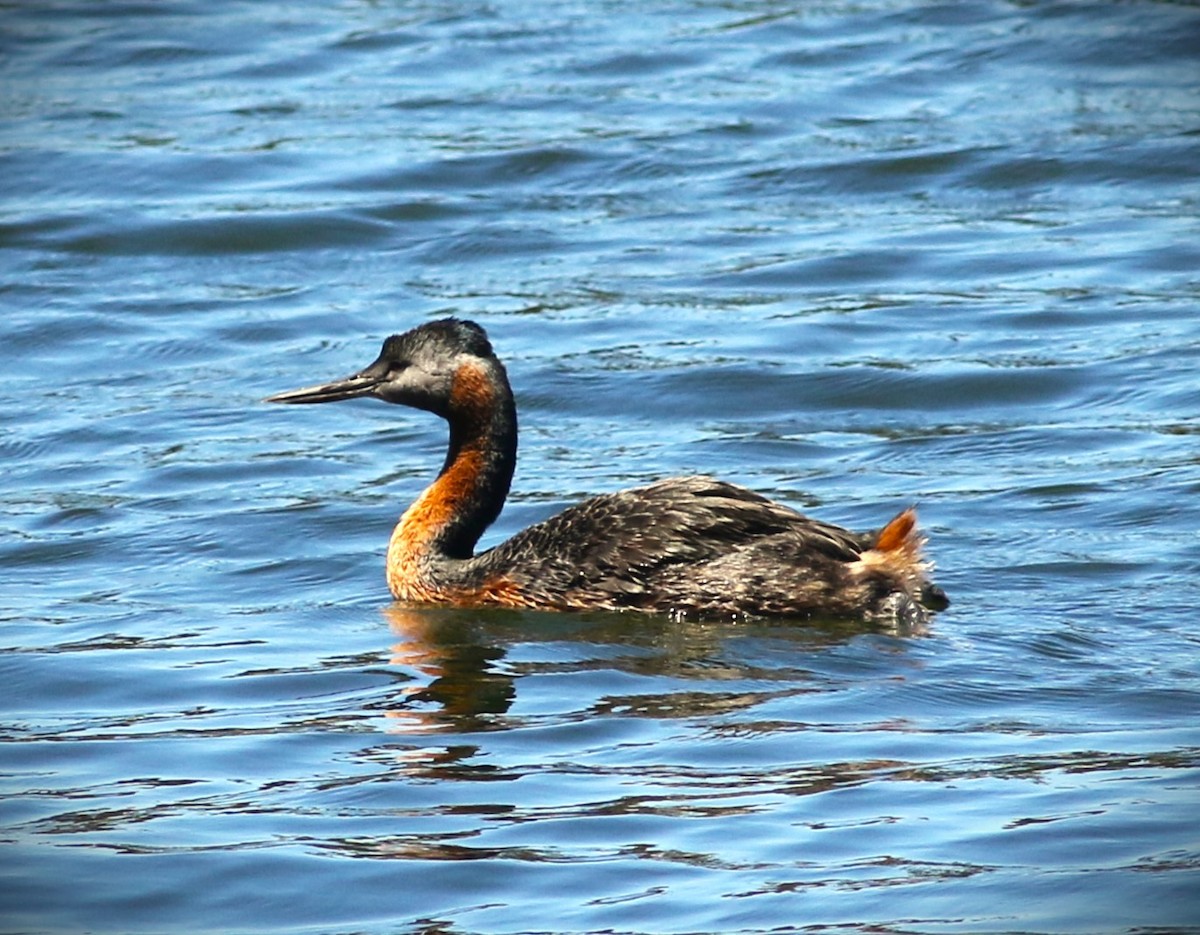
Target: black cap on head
x=448 y=336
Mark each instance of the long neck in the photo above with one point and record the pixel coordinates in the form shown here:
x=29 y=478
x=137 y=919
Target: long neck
x=474 y=481
x=447 y=519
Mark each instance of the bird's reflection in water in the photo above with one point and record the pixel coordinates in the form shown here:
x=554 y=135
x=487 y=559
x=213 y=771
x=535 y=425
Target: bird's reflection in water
x=460 y=681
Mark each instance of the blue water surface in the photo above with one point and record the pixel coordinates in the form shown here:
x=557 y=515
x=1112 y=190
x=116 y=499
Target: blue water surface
x=853 y=255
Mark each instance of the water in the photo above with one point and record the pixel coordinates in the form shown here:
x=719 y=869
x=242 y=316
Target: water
x=852 y=255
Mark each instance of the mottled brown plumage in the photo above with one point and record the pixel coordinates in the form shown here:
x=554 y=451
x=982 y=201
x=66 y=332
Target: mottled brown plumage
x=689 y=546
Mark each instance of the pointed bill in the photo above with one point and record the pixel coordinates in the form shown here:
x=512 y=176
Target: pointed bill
x=361 y=384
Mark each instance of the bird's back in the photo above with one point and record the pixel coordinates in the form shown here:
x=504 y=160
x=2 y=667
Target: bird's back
x=690 y=546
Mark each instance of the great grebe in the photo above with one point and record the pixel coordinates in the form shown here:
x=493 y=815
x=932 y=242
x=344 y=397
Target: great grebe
x=688 y=546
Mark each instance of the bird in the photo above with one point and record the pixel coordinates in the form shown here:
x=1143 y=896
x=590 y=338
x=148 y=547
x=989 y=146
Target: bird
x=690 y=547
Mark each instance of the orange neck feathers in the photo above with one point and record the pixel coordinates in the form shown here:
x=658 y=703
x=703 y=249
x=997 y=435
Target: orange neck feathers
x=447 y=519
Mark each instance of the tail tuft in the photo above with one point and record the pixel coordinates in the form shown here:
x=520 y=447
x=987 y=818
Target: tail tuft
x=899 y=534
x=895 y=564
